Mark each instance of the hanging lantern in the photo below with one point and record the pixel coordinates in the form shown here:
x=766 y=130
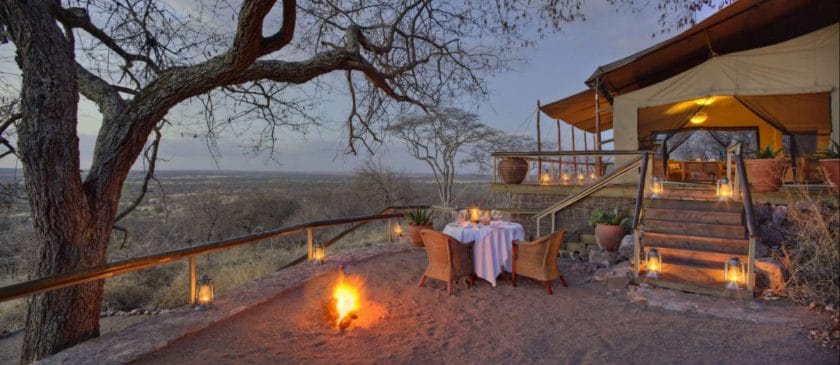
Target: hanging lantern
x=735 y=274
x=724 y=190
x=319 y=253
x=698 y=118
x=204 y=293
x=653 y=264
x=656 y=187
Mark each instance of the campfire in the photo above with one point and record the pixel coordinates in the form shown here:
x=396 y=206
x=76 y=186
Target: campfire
x=345 y=302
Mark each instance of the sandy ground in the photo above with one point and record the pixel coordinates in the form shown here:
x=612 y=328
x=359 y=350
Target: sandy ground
x=10 y=345
x=401 y=323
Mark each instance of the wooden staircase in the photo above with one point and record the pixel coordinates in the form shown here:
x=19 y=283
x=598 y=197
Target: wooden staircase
x=694 y=238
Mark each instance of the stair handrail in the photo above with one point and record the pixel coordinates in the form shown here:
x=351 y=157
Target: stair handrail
x=736 y=149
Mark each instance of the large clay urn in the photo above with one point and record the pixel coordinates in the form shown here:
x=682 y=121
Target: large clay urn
x=513 y=170
x=609 y=236
x=414 y=234
x=831 y=170
x=764 y=175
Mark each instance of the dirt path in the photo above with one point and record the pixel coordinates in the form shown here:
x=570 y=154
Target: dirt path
x=402 y=323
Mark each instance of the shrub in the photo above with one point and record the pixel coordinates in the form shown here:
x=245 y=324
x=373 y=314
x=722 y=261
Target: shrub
x=767 y=152
x=418 y=217
x=612 y=217
x=812 y=253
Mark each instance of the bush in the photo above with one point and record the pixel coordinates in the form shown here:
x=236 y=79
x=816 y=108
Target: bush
x=812 y=253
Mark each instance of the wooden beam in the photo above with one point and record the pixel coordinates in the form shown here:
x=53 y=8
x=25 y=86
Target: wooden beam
x=539 y=142
x=559 y=146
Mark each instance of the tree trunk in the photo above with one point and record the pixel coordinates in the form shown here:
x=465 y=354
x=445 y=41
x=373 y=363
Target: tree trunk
x=71 y=229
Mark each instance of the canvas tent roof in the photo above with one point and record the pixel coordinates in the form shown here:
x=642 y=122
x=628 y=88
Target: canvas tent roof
x=743 y=25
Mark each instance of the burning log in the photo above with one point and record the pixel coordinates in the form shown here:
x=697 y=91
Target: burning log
x=343 y=305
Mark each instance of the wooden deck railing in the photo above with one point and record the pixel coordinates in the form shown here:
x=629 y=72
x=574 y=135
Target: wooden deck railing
x=563 y=168
x=742 y=190
x=36 y=286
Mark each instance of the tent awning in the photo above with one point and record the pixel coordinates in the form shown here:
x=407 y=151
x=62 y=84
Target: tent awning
x=743 y=25
x=579 y=111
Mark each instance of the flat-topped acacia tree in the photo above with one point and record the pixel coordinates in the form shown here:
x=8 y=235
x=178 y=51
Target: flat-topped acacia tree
x=137 y=59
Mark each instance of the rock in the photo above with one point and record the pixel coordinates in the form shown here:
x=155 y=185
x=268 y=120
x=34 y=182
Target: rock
x=618 y=282
x=769 y=275
x=133 y=312
x=626 y=247
x=621 y=270
x=770 y=235
x=602 y=259
x=762 y=212
x=779 y=215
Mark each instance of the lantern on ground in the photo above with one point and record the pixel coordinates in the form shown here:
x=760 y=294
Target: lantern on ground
x=398 y=230
x=734 y=274
x=319 y=253
x=653 y=264
x=204 y=293
x=656 y=187
x=724 y=190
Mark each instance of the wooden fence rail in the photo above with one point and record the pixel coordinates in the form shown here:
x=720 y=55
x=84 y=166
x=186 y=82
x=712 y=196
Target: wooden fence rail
x=36 y=286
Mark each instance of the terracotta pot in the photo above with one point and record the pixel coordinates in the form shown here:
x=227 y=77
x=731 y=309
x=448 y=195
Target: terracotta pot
x=764 y=175
x=609 y=236
x=414 y=234
x=831 y=170
x=513 y=170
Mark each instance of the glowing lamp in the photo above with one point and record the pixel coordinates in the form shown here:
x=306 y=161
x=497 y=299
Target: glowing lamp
x=319 y=253
x=592 y=176
x=653 y=264
x=724 y=190
x=656 y=187
x=204 y=293
x=565 y=177
x=475 y=215
x=705 y=101
x=581 y=177
x=735 y=274
x=398 y=230
x=698 y=118
x=545 y=179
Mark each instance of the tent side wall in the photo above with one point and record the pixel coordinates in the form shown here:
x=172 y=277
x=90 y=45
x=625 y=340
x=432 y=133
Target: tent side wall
x=804 y=64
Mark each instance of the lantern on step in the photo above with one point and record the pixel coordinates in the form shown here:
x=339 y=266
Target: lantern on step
x=735 y=274
x=653 y=264
x=204 y=293
x=319 y=253
x=724 y=190
x=656 y=187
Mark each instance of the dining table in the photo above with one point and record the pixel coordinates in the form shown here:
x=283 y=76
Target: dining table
x=492 y=247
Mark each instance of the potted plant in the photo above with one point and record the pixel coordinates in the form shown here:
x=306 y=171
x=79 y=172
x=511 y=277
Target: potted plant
x=513 y=170
x=764 y=172
x=830 y=166
x=610 y=227
x=418 y=220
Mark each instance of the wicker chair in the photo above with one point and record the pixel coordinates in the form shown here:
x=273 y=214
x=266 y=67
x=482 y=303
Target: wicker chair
x=449 y=259
x=538 y=259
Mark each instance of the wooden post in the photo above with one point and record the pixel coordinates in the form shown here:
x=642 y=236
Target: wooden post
x=637 y=268
x=559 y=148
x=192 y=280
x=390 y=230
x=598 y=160
x=574 y=158
x=310 y=241
x=586 y=148
x=539 y=144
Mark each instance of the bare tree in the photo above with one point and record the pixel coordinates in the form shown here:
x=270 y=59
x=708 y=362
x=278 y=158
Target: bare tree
x=438 y=137
x=138 y=59
x=377 y=183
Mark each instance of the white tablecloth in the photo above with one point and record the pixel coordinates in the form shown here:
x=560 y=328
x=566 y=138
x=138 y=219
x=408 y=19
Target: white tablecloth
x=493 y=245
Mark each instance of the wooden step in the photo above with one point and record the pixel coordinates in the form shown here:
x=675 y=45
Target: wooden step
x=700 y=216
x=694 y=229
x=708 y=258
x=694 y=205
x=688 y=194
x=735 y=247
x=715 y=290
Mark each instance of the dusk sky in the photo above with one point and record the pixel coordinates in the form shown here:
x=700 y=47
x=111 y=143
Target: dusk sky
x=554 y=68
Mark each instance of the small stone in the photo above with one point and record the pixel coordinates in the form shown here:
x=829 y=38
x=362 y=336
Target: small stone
x=133 y=312
x=626 y=247
x=602 y=259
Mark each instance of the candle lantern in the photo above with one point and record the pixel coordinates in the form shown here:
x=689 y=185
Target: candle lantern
x=735 y=274
x=204 y=293
x=653 y=264
x=545 y=178
x=656 y=187
x=724 y=190
x=398 y=230
x=565 y=178
x=319 y=253
x=581 y=177
x=475 y=215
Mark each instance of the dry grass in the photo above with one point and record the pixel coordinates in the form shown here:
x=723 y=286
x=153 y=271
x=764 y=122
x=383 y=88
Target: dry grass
x=812 y=254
